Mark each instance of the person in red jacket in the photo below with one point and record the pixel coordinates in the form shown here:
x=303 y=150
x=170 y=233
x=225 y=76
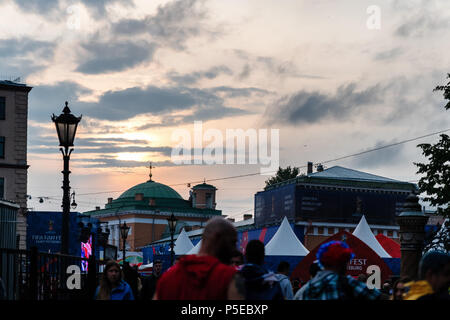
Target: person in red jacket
x=207 y=275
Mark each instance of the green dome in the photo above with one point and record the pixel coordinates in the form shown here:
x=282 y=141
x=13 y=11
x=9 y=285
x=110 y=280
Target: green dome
x=151 y=189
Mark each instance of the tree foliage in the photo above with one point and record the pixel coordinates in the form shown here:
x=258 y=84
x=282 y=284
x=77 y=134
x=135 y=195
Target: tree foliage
x=446 y=89
x=436 y=182
x=283 y=175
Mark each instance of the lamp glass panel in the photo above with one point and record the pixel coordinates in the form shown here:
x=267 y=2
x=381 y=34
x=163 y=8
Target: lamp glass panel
x=61 y=128
x=71 y=130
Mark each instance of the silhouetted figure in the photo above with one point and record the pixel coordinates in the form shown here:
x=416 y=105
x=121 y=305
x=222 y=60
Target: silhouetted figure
x=237 y=259
x=399 y=288
x=283 y=278
x=149 y=284
x=260 y=284
x=313 y=269
x=131 y=277
x=434 y=278
x=206 y=275
x=112 y=286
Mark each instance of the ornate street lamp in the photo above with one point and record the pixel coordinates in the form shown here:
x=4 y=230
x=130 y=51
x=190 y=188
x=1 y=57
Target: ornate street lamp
x=66 y=127
x=412 y=223
x=124 y=229
x=172 y=221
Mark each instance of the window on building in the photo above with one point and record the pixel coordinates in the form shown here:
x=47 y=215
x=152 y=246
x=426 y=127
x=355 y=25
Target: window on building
x=2 y=108
x=209 y=200
x=2 y=188
x=2 y=147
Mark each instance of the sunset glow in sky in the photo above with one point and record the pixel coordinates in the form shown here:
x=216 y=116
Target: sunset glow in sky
x=137 y=70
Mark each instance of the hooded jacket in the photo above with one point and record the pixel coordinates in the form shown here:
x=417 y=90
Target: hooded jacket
x=260 y=284
x=286 y=286
x=196 y=278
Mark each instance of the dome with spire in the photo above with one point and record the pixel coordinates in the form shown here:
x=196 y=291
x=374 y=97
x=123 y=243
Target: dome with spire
x=151 y=189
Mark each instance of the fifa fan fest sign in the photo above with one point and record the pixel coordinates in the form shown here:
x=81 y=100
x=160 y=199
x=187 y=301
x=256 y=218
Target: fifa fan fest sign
x=366 y=261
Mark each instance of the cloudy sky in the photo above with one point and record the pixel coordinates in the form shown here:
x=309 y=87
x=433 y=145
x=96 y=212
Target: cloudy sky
x=332 y=77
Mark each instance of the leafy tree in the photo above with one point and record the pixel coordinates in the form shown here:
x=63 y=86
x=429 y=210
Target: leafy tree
x=283 y=175
x=436 y=182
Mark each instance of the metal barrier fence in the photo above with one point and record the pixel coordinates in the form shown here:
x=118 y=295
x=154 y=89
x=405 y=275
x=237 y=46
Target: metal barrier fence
x=33 y=275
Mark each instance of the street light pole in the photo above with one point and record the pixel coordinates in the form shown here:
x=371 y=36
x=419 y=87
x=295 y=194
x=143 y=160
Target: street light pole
x=124 y=232
x=172 y=221
x=66 y=201
x=66 y=127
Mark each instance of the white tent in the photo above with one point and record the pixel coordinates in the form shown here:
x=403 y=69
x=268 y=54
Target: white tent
x=285 y=242
x=195 y=249
x=366 y=235
x=183 y=244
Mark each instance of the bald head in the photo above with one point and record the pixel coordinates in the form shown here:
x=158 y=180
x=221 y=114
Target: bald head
x=219 y=239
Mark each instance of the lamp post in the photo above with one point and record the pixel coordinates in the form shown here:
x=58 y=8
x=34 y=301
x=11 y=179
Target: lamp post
x=66 y=127
x=412 y=234
x=124 y=232
x=172 y=221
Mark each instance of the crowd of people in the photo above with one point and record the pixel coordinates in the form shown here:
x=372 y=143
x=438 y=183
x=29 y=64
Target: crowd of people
x=220 y=272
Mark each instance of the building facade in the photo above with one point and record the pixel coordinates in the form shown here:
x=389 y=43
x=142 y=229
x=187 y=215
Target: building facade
x=335 y=195
x=13 y=150
x=146 y=208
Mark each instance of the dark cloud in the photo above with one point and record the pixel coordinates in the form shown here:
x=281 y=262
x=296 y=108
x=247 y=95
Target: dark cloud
x=380 y=158
x=203 y=104
x=38 y=138
x=199 y=114
x=313 y=107
x=45 y=7
x=98 y=7
x=388 y=54
x=128 y=103
x=37 y=6
x=21 y=47
x=109 y=162
x=194 y=77
x=44 y=100
x=24 y=56
x=286 y=68
x=104 y=149
x=245 y=73
x=271 y=65
x=423 y=18
x=102 y=56
x=172 y=25
x=231 y=92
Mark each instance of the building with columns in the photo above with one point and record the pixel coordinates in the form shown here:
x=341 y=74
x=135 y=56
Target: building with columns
x=146 y=207
x=13 y=151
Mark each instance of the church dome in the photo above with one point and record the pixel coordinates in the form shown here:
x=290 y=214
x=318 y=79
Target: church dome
x=151 y=189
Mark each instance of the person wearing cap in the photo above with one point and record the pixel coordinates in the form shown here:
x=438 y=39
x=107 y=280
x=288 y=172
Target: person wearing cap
x=331 y=282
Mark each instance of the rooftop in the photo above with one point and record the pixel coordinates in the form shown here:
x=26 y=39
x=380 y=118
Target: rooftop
x=151 y=189
x=341 y=176
x=11 y=85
